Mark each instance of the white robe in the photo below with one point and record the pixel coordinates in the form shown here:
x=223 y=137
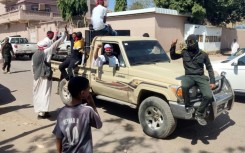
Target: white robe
x=42 y=86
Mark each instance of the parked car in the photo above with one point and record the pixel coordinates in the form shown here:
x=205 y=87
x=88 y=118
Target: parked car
x=239 y=52
x=234 y=67
x=21 y=46
x=66 y=44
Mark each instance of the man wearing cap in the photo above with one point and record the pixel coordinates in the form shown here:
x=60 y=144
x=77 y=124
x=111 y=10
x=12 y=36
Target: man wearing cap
x=98 y=20
x=193 y=61
x=75 y=58
x=42 y=83
x=106 y=58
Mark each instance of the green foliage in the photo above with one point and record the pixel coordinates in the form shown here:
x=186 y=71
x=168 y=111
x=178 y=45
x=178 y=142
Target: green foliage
x=72 y=8
x=217 y=12
x=140 y=4
x=121 y=5
x=136 y=6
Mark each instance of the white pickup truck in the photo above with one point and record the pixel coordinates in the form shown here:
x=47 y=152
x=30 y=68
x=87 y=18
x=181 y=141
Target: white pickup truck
x=21 y=46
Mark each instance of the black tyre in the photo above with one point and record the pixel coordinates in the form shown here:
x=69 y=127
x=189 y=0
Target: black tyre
x=64 y=93
x=30 y=56
x=156 y=117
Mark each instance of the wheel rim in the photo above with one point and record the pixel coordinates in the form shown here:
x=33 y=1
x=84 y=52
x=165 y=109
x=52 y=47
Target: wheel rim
x=154 y=118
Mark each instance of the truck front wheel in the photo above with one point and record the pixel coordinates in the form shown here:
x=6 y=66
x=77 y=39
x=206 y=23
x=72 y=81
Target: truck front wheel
x=63 y=92
x=156 y=117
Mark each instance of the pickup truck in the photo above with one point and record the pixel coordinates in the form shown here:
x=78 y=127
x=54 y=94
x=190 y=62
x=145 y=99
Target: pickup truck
x=21 y=46
x=147 y=80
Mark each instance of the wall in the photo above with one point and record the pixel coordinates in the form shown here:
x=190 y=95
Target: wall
x=169 y=28
x=13 y=29
x=138 y=24
x=209 y=37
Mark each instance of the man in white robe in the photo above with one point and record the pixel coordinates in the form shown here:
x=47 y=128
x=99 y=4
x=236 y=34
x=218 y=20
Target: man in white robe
x=41 y=84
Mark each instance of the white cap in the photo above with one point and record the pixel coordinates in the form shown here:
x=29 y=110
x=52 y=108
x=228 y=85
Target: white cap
x=107 y=46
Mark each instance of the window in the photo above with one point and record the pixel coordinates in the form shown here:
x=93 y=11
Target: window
x=241 y=61
x=213 y=39
x=34 y=7
x=200 y=38
x=145 y=52
x=47 y=8
x=15 y=40
x=23 y=41
x=116 y=52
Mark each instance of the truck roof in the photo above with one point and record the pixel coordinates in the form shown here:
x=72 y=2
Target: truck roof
x=123 y=38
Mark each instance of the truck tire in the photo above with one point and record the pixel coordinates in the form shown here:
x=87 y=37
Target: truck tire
x=30 y=56
x=156 y=117
x=63 y=92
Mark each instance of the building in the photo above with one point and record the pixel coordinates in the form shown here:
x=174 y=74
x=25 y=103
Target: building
x=31 y=18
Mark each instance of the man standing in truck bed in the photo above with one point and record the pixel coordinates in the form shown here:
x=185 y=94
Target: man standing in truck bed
x=193 y=61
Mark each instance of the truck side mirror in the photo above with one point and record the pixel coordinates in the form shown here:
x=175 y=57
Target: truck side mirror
x=235 y=63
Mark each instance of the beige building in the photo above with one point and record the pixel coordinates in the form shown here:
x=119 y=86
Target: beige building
x=31 y=18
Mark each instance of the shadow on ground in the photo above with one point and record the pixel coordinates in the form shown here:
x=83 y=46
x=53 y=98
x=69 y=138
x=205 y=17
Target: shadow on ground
x=20 y=71
x=122 y=111
x=5 y=95
x=195 y=132
x=45 y=141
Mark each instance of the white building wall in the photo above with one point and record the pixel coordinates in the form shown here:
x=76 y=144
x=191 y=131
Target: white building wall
x=209 y=37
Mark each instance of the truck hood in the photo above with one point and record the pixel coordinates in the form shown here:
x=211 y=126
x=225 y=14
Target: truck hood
x=169 y=73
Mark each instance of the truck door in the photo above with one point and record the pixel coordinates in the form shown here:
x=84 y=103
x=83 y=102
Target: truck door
x=109 y=82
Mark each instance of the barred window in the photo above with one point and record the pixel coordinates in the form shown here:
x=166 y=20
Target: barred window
x=213 y=39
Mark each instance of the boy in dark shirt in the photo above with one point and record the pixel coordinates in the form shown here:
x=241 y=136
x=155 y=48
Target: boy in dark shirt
x=73 y=127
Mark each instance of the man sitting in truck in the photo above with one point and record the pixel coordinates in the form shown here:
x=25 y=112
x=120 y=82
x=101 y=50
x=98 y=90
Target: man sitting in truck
x=107 y=58
x=98 y=20
x=75 y=58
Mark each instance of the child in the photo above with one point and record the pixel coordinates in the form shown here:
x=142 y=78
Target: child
x=73 y=127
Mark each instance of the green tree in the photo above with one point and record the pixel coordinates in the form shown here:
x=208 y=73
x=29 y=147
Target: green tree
x=217 y=12
x=72 y=8
x=136 y=6
x=140 y=4
x=121 y=5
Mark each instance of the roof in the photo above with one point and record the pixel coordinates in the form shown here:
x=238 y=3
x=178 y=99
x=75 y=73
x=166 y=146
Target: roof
x=124 y=38
x=148 y=10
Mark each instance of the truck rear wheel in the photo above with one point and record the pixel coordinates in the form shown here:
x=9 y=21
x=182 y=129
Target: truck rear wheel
x=156 y=117
x=63 y=92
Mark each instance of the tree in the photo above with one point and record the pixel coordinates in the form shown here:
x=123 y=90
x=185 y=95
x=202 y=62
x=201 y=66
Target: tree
x=72 y=8
x=217 y=12
x=140 y=4
x=121 y=5
x=136 y=6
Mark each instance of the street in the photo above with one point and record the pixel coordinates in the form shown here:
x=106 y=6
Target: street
x=22 y=132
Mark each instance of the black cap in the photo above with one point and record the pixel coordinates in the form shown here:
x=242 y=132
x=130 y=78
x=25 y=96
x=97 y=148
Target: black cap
x=192 y=37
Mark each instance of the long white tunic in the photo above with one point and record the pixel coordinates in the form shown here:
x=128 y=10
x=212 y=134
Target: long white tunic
x=42 y=86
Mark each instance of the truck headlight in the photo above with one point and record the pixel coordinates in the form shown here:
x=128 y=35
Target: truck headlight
x=177 y=90
x=193 y=92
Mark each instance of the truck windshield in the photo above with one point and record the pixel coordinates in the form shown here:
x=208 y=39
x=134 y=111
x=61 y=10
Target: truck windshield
x=145 y=52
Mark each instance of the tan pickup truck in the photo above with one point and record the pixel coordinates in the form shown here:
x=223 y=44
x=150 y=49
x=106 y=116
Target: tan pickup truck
x=147 y=80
